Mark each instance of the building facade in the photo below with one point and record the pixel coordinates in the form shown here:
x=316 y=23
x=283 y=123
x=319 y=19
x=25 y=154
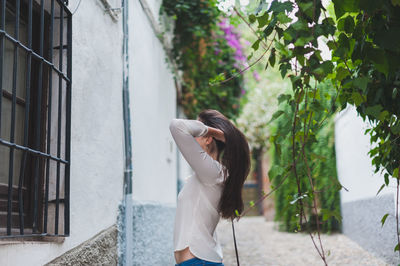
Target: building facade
x=82 y=83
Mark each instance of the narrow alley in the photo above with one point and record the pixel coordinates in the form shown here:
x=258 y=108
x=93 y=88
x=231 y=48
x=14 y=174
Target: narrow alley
x=260 y=244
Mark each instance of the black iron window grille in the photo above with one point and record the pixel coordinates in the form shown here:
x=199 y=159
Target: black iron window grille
x=35 y=117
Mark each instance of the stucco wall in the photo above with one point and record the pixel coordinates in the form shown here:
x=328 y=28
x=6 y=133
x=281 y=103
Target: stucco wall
x=353 y=163
x=96 y=135
x=152 y=235
x=153 y=105
x=362 y=209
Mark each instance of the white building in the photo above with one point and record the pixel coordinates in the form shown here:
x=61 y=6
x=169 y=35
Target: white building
x=362 y=209
x=100 y=220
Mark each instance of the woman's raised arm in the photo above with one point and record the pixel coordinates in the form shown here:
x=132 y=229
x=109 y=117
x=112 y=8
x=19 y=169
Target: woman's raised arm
x=184 y=132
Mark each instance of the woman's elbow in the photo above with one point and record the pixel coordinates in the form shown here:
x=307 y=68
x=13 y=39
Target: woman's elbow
x=175 y=125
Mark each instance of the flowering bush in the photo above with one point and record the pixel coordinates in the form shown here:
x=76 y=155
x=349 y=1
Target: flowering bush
x=233 y=40
x=205 y=46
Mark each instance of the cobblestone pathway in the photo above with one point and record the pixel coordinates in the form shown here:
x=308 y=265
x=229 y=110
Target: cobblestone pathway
x=260 y=244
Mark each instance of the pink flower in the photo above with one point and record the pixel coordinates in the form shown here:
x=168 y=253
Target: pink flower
x=256 y=76
x=232 y=39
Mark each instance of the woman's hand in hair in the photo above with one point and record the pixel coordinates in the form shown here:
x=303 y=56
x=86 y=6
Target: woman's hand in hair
x=216 y=133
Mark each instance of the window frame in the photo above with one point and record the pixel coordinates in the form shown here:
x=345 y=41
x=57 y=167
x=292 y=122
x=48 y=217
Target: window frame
x=41 y=69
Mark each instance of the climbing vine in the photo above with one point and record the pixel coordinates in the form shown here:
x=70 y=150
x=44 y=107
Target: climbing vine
x=363 y=68
x=321 y=158
x=205 y=45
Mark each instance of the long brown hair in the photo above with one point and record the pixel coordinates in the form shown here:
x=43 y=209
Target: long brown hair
x=234 y=154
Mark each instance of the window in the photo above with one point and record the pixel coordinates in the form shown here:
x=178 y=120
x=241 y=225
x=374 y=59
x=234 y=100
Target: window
x=35 y=117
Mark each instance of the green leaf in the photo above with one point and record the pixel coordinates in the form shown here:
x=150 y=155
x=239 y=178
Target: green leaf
x=276 y=115
x=395 y=91
x=307 y=8
x=300 y=25
x=251 y=203
x=386 y=179
x=361 y=82
x=378 y=57
x=323 y=70
x=301 y=41
x=374 y=110
x=278 y=149
x=283 y=18
x=380 y=189
x=316 y=106
x=396 y=173
x=263 y=20
x=284 y=97
x=284 y=68
x=271 y=58
x=346 y=24
x=327 y=66
x=326 y=214
x=396 y=248
x=395 y=129
x=268 y=30
x=341 y=73
x=384 y=218
x=383 y=115
x=256 y=44
x=275 y=171
x=342 y=6
x=278 y=7
x=252 y=18
x=357 y=98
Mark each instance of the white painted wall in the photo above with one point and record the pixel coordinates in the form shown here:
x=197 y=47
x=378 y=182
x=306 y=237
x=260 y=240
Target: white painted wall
x=354 y=167
x=96 y=136
x=153 y=105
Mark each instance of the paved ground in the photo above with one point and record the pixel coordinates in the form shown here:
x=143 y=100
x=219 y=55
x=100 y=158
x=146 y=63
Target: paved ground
x=260 y=244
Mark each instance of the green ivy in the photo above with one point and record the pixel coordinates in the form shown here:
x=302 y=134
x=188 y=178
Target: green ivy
x=322 y=162
x=201 y=53
x=364 y=70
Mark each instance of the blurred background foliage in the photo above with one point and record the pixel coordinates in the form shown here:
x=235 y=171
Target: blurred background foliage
x=205 y=46
x=322 y=164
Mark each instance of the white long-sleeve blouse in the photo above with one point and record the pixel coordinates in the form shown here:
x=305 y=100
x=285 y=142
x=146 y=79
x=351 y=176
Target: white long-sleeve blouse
x=196 y=214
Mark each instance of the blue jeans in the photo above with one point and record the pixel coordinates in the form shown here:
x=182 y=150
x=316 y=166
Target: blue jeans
x=198 y=262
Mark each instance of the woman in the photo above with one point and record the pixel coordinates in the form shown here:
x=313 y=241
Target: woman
x=218 y=153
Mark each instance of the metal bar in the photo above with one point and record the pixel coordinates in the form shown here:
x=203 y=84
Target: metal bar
x=34 y=152
x=46 y=202
x=59 y=121
x=2 y=27
x=58 y=47
x=38 y=122
x=7 y=94
x=61 y=3
x=12 y=129
x=68 y=127
x=127 y=137
x=32 y=235
x=125 y=99
x=26 y=124
x=37 y=56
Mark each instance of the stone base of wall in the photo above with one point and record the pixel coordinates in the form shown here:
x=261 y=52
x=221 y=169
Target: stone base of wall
x=151 y=240
x=362 y=223
x=99 y=250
